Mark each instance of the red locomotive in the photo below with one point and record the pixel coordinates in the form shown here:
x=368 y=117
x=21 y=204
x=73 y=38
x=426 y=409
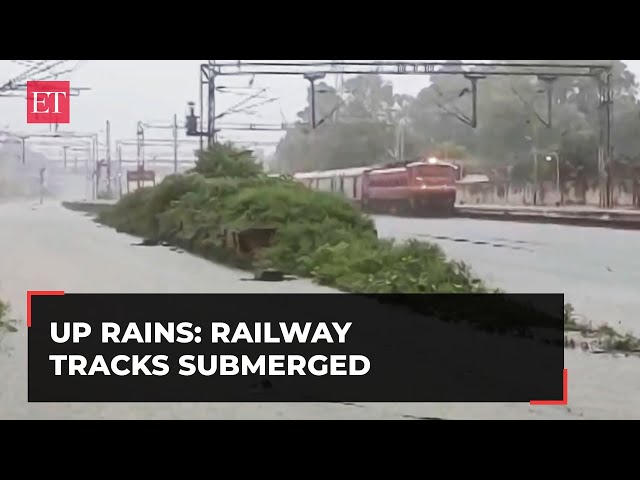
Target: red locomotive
x=421 y=187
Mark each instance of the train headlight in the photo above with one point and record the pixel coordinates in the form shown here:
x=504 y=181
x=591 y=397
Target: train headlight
x=433 y=160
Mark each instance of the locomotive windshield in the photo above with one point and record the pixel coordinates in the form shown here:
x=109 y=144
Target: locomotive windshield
x=435 y=171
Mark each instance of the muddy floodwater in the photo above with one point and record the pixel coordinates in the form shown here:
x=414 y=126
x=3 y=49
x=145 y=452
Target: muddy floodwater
x=598 y=270
x=50 y=248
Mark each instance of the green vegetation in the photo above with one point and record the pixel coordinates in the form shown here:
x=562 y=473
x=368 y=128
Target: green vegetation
x=7 y=324
x=318 y=234
x=607 y=338
x=572 y=321
x=226 y=161
x=360 y=126
x=621 y=343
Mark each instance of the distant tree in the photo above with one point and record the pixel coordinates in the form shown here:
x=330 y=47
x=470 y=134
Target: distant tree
x=362 y=128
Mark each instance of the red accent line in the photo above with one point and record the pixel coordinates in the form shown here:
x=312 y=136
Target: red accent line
x=565 y=393
x=31 y=293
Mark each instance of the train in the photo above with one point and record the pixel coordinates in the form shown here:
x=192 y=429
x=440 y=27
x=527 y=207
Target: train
x=419 y=187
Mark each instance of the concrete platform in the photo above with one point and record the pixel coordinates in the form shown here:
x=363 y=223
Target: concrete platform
x=574 y=215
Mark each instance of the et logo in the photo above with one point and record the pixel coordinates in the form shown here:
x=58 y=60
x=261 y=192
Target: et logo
x=48 y=102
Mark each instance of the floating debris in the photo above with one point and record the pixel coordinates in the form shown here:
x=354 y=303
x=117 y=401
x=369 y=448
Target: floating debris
x=269 y=275
x=413 y=417
x=146 y=243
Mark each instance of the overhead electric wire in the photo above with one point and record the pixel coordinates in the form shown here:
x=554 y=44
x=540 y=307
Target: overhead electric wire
x=36 y=70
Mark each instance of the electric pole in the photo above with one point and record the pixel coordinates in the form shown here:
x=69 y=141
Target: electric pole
x=473 y=72
x=339 y=91
x=175 y=144
x=119 y=150
x=108 y=154
x=536 y=179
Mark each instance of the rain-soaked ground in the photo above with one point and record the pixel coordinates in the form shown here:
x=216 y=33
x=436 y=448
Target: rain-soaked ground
x=47 y=247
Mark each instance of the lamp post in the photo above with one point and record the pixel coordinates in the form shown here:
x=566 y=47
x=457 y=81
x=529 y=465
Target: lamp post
x=313 y=78
x=534 y=152
x=550 y=158
x=140 y=139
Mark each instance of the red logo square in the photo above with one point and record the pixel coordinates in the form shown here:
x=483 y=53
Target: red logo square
x=48 y=102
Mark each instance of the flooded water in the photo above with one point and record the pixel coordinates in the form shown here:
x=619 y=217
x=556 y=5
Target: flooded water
x=598 y=270
x=53 y=248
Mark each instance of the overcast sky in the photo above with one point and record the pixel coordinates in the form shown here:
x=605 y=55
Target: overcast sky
x=127 y=91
